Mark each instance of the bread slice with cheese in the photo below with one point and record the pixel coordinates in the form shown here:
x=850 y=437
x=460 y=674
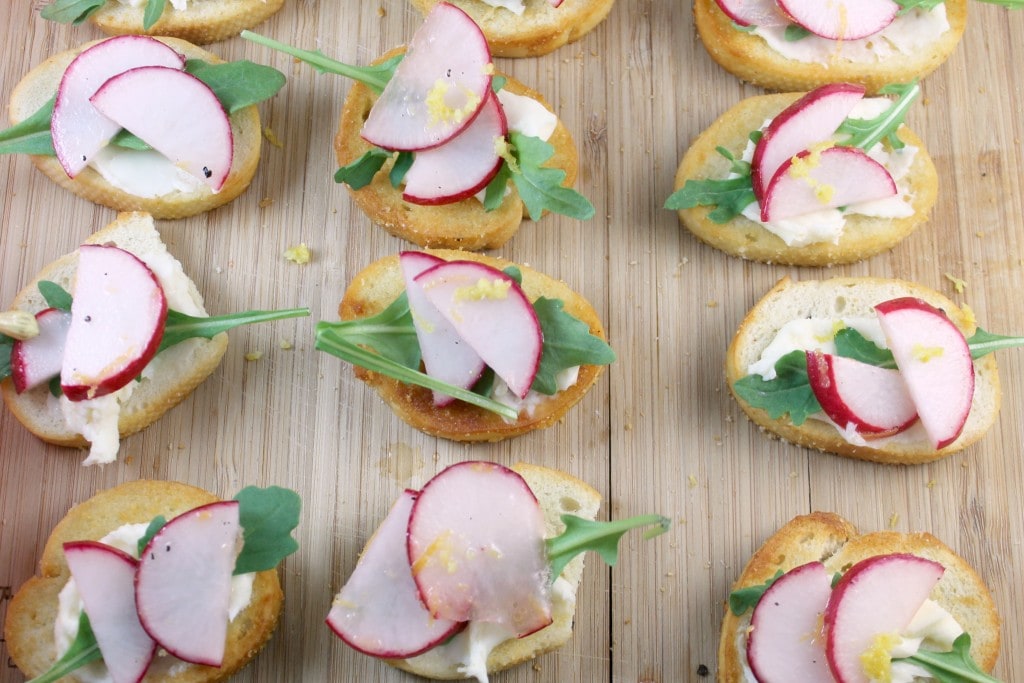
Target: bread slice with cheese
x=854 y=297
x=171 y=376
x=540 y=29
x=31 y=614
x=832 y=540
x=460 y=225
x=40 y=85
x=751 y=59
x=201 y=22
x=863 y=236
x=380 y=283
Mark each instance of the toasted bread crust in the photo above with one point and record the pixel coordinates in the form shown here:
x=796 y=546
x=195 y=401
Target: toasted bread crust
x=790 y=300
x=40 y=84
x=541 y=28
x=461 y=225
x=380 y=283
x=749 y=58
x=828 y=538
x=203 y=22
x=863 y=236
x=28 y=628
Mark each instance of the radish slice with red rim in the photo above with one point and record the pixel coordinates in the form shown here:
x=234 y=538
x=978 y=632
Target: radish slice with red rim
x=753 y=12
x=841 y=19
x=874 y=400
x=39 y=359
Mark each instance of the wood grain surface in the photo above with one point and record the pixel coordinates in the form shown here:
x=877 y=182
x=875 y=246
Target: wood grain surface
x=659 y=432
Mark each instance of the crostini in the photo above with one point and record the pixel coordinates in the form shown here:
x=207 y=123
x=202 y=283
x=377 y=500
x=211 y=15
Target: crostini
x=505 y=349
x=821 y=602
x=120 y=337
x=118 y=590
x=104 y=121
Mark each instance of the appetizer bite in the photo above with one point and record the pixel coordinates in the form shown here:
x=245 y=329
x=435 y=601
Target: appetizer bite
x=505 y=349
x=143 y=124
x=821 y=602
x=424 y=598
x=157 y=580
x=809 y=179
x=106 y=339
x=440 y=150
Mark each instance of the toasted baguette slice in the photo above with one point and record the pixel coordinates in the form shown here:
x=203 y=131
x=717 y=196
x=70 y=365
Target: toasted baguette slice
x=558 y=493
x=201 y=22
x=853 y=297
x=40 y=84
x=539 y=30
x=461 y=225
x=179 y=369
x=830 y=539
x=380 y=283
x=863 y=236
x=750 y=58
x=29 y=626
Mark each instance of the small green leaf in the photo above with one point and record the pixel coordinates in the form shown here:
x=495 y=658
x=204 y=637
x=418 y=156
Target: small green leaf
x=6 y=346
x=154 y=8
x=71 y=11
x=83 y=650
x=852 y=344
x=180 y=327
x=924 y=5
x=55 y=295
x=390 y=333
x=1009 y=4
x=790 y=392
x=955 y=666
x=729 y=196
x=568 y=342
x=268 y=516
x=582 y=534
x=983 y=343
x=360 y=172
x=795 y=33
x=495 y=192
x=540 y=187
x=743 y=599
x=866 y=133
x=403 y=160
x=239 y=84
x=31 y=136
x=498 y=82
x=127 y=140
x=155 y=525
x=56 y=390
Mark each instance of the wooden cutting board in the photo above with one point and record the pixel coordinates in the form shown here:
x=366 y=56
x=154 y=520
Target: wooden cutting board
x=658 y=433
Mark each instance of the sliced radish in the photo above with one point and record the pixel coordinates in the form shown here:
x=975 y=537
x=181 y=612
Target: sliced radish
x=476 y=546
x=78 y=129
x=878 y=595
x=439 y=86
x=38 y=360
x=105 y=578
x=841 y=19
x=490 y=311
x=183 y=584
x=786 y=643
x=462 y=166
x=176 y=114
x=555 y=3
x=935 y=362
x=875 y=400
x=826 y=179
x=446 y=355
x=753 y=12
x=379 y=611
x=117 y=322
x=810 y=120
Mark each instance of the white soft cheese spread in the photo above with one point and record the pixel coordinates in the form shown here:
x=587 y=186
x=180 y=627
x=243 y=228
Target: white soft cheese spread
x=528 y=404
x=65 y=628
x=143 y=173
x=517 y=7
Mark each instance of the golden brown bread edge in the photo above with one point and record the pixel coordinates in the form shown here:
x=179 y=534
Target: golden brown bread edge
x=460 y=225
x=832 y=540
x=40 y=84
x=380 y=283
x=853 y=296
x=749 y=58
x=862 y=236
x=28 y=627
x=200 y=23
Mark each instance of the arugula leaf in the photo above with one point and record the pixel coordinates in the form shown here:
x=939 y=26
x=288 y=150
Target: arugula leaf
x=127 y=140
x=55 y=295
x=56 y=390
x=83 y=650
x=403 y=160
x=374 y=77
x=540 y=187
x=155 y=525
x=360 y=172
x=866 y=133
x=730 y=196
x=795 y=33
x=983 y=343
x=154 y=8
x=6 y=347
x=268 y=517
x=1010 y=4
x=71 y=11
x=31 y=136
x=742 y=599
x=180 y=327
x=390 y=333
x=582 y=534
x=494 y=194
x=955 y=666
x=852 y=344
x=238 y=84
x=567 y=343
x=790 y=391
x=924 y=5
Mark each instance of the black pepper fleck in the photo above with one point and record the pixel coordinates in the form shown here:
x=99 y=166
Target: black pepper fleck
x=703 y=670
x=207 y=172
x=88 y=318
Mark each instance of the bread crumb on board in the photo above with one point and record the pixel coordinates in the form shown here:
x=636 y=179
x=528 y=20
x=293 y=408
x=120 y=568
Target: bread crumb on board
x=253 y=355
x=958 y=283
x=299 y=254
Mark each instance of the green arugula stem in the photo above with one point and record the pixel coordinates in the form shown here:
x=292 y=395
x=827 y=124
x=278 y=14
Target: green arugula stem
x=581 y=535
x=180 y=327
x=83 y=650
x=889 y=121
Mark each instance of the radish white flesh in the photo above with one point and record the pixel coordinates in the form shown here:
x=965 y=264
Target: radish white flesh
x=437 y=89
x=786 y=643
x=105 y=578
x=810 y=120
x=833 y=177
x=379 y=611
x=841 y=19
x=463 y=165
x=476 y=547
x=176 y=114
x=38 y=360
x=78 y=129
x=490 y=311
x=753 y=12
x=446 y=355
x=935 y=362
x=878 y=595
x=875 y=400
x=117 y=322
x=183 y=584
